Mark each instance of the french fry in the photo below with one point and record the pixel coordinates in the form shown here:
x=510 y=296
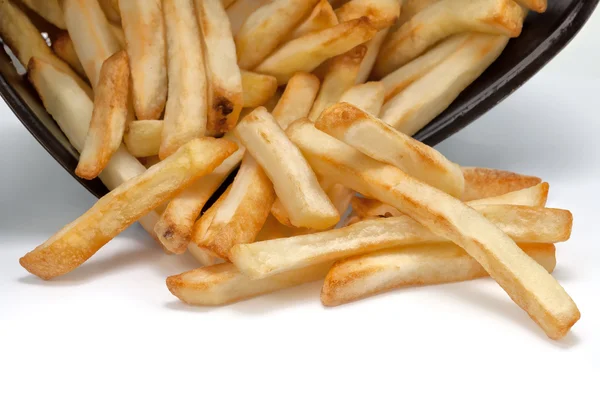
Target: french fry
x=204 y=257
x=309 y=51
x=224 y=78
x=534 y=196
x=410 y=8
x=443 y=19
x=367 y=97
x=186 y=109
x=109 y=119
x=91 y=34
x=144 y=29
x=78 y=241
x=538 y=6
x=295 y=183
x=257 y=88
x=112 y=9
x=174 y=229
x=378 y=140
x=49 y=10
x=422 y=101
x=297 y=99
x=401 y=78
x=373 y=46
x=341 y=76
x=321 y=17
x=267 y=27
x=381 y=13
x=484 y=182
x=239 y=214
x=239 y=12
x=363 y=276
x=26 y=41
x=143 y=138
x=524 y=280
x=223 y=284
x=227 y=3
x=119 y=34
x=63 y=48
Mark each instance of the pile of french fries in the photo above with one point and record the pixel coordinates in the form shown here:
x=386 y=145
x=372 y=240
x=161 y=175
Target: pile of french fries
x=312 y=105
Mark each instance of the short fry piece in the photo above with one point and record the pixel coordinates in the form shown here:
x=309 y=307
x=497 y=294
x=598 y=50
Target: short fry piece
x=443 y=19
x=91 y=34
x=381 y=13
x=364 y=276
x=367 y=97
x=257 y=88
x=109 y=118
x=378 y=140
x=295 y=183
x=297 y=99
x=239 y=214
x=143 y=138
x=267 y=27
x=63 y=47
x=49 y=10
x=186 y=109
x=174 y=229
x=78 y=241
x=321 y=17
x=307 y=52
x=341 y=76
x=484 y=182
x=224 y=78
x=425 y=99
x=144 y=28
x=524 y=280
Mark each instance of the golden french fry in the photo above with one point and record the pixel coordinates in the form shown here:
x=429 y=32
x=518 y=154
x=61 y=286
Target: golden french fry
x=443 y=19
x=341 y=76
x=538 y=6
x=239 y=214
x=143 y=138
x=295 y=183
x=309 y=51
x=186 y=109
x=267 y=27
x=373 y=46
x=223 y=284
x=239 y=12
x=79 y=240
x=484 y=182
x=109 y=118
x=321 y=17
x=422 y=101
x=112 y=9
x=297 y=99
x=364 y=276
x=367 y=97
x=50 y=10
x=524 y=280
x=378 y=140
x=144 y=29
x=174 y=229
x=119 y=34
x=381 y=13
x=401 y=78
x=410 y=8
x=63 y=48
x=224 y=78
x=227 y=3
x=91 y=34
x=257 y=88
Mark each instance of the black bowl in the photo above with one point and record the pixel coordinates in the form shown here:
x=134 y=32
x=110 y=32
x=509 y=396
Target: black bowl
x=544 y=36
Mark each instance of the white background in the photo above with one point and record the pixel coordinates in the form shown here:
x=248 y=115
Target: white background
x=112 y=330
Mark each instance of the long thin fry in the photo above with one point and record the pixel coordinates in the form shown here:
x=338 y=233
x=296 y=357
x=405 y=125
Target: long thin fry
x=266 y=27
x=78 y=241
x=309 y=51
x=443 y=19
x=186 y=109
x=485 y=182
x=144 y=28
x=63 y=48
x=109 y=118
x=378 y=140
x=425 y=99
x=373 y=46
x=295 y=183
x=239 y=12
x=174 y=229
x=112 y=9
x=524 y=280
x=50 y=10
x=363 y=276
x=321 y=17
x=224 y=78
